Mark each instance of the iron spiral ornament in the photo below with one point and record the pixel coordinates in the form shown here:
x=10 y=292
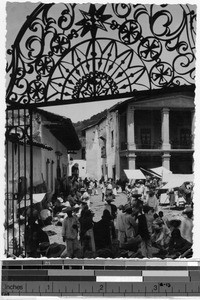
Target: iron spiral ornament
x=69 y=53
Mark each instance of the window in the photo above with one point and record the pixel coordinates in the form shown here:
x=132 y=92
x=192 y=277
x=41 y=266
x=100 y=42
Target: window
x=52 y=175
x=112 y=138
x=185 y=138
x=114 y=173
x=103 y=152
x=47 y=172
x=145 y=137
x=64 y=169
x=83 y=153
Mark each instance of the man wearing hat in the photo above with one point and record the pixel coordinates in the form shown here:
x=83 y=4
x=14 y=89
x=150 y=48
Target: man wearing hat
x=134 y=198
x=178 y=245
x=145 y=225
x=185 y=190
x=186 y=227
x=72 y=198
x=75 y=171
x=111 y=207
x=139 y=187
x=130 y=223
x=70 y=229
x=85 y=197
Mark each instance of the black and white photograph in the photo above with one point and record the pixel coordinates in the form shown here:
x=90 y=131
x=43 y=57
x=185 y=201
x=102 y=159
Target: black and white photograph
x=100 y=122
x=100 y=157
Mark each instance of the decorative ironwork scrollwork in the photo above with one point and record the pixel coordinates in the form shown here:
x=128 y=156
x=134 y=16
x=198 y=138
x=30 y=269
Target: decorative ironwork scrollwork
x=78 y=52
x=18 y=127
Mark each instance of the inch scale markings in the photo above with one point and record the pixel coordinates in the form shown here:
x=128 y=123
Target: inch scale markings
x=53 y=288
x=100 y=277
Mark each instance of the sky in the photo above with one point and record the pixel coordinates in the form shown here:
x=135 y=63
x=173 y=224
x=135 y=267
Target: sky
x=83 y=111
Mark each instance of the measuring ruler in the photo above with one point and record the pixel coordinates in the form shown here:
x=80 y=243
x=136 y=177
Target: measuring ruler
x=100 y=278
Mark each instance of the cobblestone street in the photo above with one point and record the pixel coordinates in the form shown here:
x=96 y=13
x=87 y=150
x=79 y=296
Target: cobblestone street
x=97 y=206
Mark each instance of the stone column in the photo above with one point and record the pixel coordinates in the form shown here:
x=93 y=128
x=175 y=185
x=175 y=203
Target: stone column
x=130 y=128
x=131 y=161
x=165 y=129
x=166 y=160
x=131 y=137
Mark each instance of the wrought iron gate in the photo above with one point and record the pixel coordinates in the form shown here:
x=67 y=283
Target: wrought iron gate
x=74 y=53
x=19 y=181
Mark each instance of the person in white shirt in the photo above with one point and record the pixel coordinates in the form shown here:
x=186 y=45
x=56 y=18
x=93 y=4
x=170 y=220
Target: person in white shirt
x=120 y=225
x=152 y=201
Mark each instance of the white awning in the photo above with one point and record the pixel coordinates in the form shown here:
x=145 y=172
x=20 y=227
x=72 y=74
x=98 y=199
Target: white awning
x=38 y=197
x=134 y=174
x=25 y=202
x=176 y=180
x=161 y=171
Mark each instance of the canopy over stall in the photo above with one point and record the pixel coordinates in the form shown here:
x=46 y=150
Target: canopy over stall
x=176 y=180
x=161 y=171
x=134 y=174
x=36 y=198
x=149 y=173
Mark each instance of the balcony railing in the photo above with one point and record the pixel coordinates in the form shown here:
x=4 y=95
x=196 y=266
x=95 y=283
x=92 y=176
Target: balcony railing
x=153 y=145
x=176 y=144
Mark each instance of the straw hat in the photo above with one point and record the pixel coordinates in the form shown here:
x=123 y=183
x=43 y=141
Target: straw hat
x=127 y=207
x=188 y=211
x=67 y=209
x=77 y=206
x=137 y=196
x=110 y=198
x=55 y=250
x=60 y=199
x=175 y=223
x=109 y=186
x=43 y=247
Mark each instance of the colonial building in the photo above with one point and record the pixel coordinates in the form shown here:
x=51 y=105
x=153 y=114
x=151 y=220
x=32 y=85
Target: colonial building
x=53 y=137
x=102 y=154
x=78 y=157
x=150 y=130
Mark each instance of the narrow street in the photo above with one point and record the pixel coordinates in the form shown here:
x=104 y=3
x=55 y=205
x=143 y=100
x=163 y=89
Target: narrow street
x=97 y=206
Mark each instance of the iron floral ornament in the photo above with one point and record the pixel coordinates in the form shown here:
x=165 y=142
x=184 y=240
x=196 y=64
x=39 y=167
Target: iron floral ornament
x=69 y=53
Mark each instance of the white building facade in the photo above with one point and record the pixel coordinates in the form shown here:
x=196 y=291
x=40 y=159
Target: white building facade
x=150 y=130
x=49 y=155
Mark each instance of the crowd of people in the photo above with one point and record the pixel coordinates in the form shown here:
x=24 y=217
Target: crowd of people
x=136 y=229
